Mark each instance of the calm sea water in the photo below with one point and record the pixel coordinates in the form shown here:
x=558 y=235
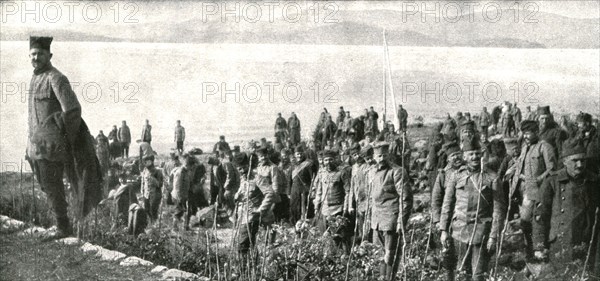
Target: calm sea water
x=237 y=89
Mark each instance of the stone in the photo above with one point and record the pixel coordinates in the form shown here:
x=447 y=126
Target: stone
x=87 y=248
x=12 y=225
x=159 y=269
x=36 y=230
x=69 y=241
x=176 y=274
x=419 y=218
x=135 y=261
x=109 y=255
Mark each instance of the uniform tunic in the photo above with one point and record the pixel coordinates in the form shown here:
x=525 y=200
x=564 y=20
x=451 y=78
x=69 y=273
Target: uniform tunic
x=391 y=197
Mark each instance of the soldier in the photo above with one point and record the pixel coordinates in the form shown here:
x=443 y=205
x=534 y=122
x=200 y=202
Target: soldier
x=473 y=211
x=102 y=152
x=285 y=166
x=267 y=177
x=549 y=130
x=221 y=146
x=330 y=197
x=360 y=191
x=114 y=134
x=147 y=132
x=529 y=115
x=294 y=130
x=339 y=122
x=254 y=207
x=58 y=138
x=391 y=205
x=124 y=139
x=281 y=128
x=181 y=179
x=358 y=125
x=329 y=129
x=302 y=176
x=179 y=136
x=517 y=117
x=168 y=170
x=568 y=212
x=484 y=123
x=444 y=176
x=536 y=162
x=152 y=181
x=373 y=117
x=402 y=118
x=588 y=135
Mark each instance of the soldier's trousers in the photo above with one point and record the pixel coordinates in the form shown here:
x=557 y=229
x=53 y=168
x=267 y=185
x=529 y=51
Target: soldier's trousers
x=151 y=205
x=50 y=178
x=125 y=148
x=392 y=245
x=476 y=261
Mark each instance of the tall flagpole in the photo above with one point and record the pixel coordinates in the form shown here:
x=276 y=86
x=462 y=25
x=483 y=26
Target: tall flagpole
x=384 y=81
x=389 y=72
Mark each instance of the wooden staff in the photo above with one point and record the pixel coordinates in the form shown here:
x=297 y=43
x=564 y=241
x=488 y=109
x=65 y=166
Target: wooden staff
x=587 y=258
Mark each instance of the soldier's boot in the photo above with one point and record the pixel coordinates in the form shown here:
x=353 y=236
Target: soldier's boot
x=449 y=275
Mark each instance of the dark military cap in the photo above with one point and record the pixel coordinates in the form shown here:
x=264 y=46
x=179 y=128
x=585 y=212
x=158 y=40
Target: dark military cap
x=381 y=147
x=40 y=42
x=584 y=117
x=471 y=144
x=529 y=125
x=329 y=154
x=262 y=151
x=299 y=148
x=572 y=147
x=544 y=110
x=451 y=147
x=236 y=148
x=320 y=154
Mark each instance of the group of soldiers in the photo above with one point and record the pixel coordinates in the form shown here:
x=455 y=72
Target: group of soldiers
x=350 y=176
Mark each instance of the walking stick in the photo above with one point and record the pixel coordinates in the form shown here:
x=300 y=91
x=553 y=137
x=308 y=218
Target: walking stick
x=401 y=214
x=504 y=228
x=464 y=260
x=427 y=245
x=34 y=215
x=587 y=258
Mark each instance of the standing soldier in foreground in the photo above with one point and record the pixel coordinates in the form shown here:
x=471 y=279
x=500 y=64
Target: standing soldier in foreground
x=125 y=139
x=444 y=176
x=536 y=162
x=473 y=211
x=391 y=204
x=330 y=197
x=568 y=213
x=59 y=141
x=147 y=132
x=302 y=176
x=179 y=136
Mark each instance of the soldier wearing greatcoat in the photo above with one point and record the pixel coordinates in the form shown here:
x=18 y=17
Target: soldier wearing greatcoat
x=472 y=213
x=59 y=142
x=564 y=225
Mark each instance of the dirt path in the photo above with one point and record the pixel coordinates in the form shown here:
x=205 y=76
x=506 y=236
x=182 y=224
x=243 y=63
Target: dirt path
x=26 y=258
